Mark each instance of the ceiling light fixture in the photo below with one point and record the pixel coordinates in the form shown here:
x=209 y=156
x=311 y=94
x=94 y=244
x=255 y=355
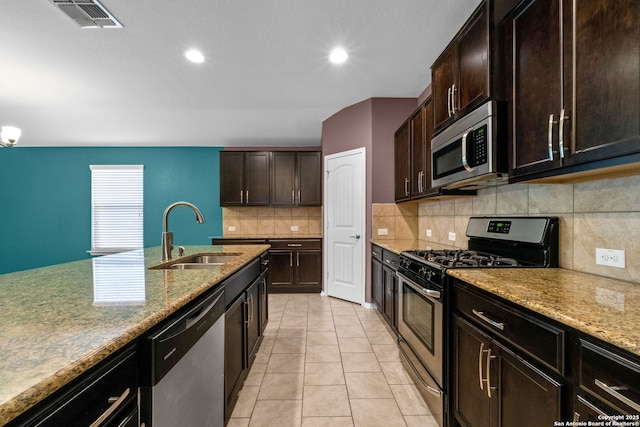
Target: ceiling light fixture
x=194 y=55
x=9 y=136
x=338 y=55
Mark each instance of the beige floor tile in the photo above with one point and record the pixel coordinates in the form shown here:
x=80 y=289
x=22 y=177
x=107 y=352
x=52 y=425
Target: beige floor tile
x=395 y=373
x=296 y=311
x=286 y=364
x=419 y=421
x=320 y=326
x=376 y=413
x=277 y=413
x=386 y=353
x=409 y=400
x=340 y=303
x=238 y=422
x=325 y=400
x=293 y=321
x=256 y=373
x=323 y=353
x=346 y=320
x=321 y=338
x=300 y=331
x=246 y=401
x=350 y=331
x=381 y=337
x=360 y=362
x=369 y=385
x=372 y=325
x=354 y=345
x=343 y=311
x=289 y=345
x=323 y=374
x=326 y=422
x=368 y=315
x=281 y=386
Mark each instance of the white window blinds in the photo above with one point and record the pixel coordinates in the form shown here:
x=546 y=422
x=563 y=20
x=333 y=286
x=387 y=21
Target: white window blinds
x=116 y=208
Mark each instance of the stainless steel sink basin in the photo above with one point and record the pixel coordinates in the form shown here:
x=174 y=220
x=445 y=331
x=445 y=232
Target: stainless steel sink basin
x=197 y=262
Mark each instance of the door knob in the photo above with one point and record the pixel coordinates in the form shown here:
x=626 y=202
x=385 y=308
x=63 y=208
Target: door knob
x=357 y=236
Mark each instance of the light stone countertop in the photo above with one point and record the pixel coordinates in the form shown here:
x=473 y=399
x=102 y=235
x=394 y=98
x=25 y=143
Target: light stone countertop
x=290 y=236
x=605 y=308
x=59 y=321
x=399 y=245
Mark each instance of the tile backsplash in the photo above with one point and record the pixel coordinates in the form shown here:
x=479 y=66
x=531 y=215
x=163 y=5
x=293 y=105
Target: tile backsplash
x=596 y=214
x=270 y=221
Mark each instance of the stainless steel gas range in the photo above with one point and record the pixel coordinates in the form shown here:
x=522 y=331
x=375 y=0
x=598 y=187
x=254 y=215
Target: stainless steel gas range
x=423 y=292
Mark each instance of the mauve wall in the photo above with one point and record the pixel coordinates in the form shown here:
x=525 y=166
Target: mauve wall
x=370 y=124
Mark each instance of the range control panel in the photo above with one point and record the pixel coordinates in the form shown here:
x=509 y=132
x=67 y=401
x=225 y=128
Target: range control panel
x=501 y=227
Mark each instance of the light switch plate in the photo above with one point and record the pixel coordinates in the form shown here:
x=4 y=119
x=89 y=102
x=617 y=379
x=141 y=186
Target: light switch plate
x=610 y=257
x=383 y=231
x=232 y=228
x=452 y=236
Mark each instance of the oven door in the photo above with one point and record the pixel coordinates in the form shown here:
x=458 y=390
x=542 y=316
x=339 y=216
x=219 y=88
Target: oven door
x=420 y=317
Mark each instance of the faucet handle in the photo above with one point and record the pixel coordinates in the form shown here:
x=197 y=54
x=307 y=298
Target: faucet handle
x=181 y=251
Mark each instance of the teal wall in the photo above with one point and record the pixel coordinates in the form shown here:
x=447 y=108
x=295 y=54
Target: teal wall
x=45 y=199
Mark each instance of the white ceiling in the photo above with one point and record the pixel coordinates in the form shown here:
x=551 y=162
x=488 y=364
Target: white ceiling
x=266 y=79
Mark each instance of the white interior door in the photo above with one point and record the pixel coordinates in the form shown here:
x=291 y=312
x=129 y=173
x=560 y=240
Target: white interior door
x=344 y=208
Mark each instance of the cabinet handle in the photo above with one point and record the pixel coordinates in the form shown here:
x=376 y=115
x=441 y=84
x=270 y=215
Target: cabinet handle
x=246 y=304
x=106 y=414
x=453 y=100
x=241 y=196
x=298 y=196
x=422 y=182
x=561 y=132
x=465 y=163
x=482 y=380
x=494 y=323
x=247 y=196
x=297 y=259
x=406 y=186
x=613 y=391
x=449 y=102
x=293 y=196
x=489 y=357
x=294 y=245
x=576 y=417
x=290 y=259
x=550 y=136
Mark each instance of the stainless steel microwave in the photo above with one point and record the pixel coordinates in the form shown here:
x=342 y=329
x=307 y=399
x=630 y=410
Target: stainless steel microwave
x=472 y=152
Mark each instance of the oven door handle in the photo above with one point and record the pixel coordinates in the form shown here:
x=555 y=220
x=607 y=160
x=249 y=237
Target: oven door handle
x=429 y=293
x=465 y=162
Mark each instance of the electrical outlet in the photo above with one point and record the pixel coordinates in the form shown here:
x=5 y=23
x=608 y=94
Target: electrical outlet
x=383 y=231
x=452 y=236
x=294 y=228
x=232 y=228
x=428 y=232
x=610 y=257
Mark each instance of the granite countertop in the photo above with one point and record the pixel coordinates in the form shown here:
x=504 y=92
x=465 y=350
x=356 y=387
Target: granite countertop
x=605 y=308
x=399 y=245
x=59 y=321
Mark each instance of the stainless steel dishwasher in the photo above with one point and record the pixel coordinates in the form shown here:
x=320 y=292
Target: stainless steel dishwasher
x=186 y=382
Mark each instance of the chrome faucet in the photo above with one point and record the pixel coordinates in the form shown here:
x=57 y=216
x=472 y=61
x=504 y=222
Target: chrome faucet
x=167 y=236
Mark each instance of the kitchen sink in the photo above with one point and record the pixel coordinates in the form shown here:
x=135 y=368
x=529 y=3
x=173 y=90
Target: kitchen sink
x=202 y=261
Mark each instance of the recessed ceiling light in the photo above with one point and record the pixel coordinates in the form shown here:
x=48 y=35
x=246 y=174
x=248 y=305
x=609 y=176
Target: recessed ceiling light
x=338 y=55
x=194 y=55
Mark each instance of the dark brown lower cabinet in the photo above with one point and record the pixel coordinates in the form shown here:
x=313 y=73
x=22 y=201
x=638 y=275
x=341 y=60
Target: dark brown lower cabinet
x=295 y=266
x=493 y=386
x=377 y=281
x=235 y=362
x=390 y=289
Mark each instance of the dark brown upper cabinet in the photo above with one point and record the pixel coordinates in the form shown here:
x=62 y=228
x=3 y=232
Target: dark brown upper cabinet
x=461 y=76
x=575 y=102
x=420 y=146
x=402 y=162
x=244 y=178
x=296 y=178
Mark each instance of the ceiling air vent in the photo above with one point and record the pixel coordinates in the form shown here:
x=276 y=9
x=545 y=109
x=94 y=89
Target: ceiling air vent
x=87 y=13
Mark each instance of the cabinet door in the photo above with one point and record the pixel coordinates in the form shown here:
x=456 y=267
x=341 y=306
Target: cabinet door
x=234 y=352
x=231 y=178
x=419 y=149
x=308 y=268
x=389 y=298
x=472 y=405
x=309 y=179
x=537 y=89
x=402 y=163
x=518 y=381
x=253 y=319
x=257 y=176
x=443 y=82
x=283 y=178
x=605 y=118
x=280 y=271
x=264 y=301
x=377 y=283
x=473 y=63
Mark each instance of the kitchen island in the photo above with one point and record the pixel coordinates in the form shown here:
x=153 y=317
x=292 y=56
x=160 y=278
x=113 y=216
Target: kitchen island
x=60 y=321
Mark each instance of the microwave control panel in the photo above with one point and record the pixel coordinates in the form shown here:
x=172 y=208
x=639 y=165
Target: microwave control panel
x=480 y=143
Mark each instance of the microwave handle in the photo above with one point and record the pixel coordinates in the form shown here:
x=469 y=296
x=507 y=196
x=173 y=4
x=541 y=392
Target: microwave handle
x=465 y=163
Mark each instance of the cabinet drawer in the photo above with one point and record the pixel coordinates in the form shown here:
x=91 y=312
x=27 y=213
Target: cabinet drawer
x=539 y=339
x=294 y=245
x=611 y=377
x=390 y=259
x=376 y=252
